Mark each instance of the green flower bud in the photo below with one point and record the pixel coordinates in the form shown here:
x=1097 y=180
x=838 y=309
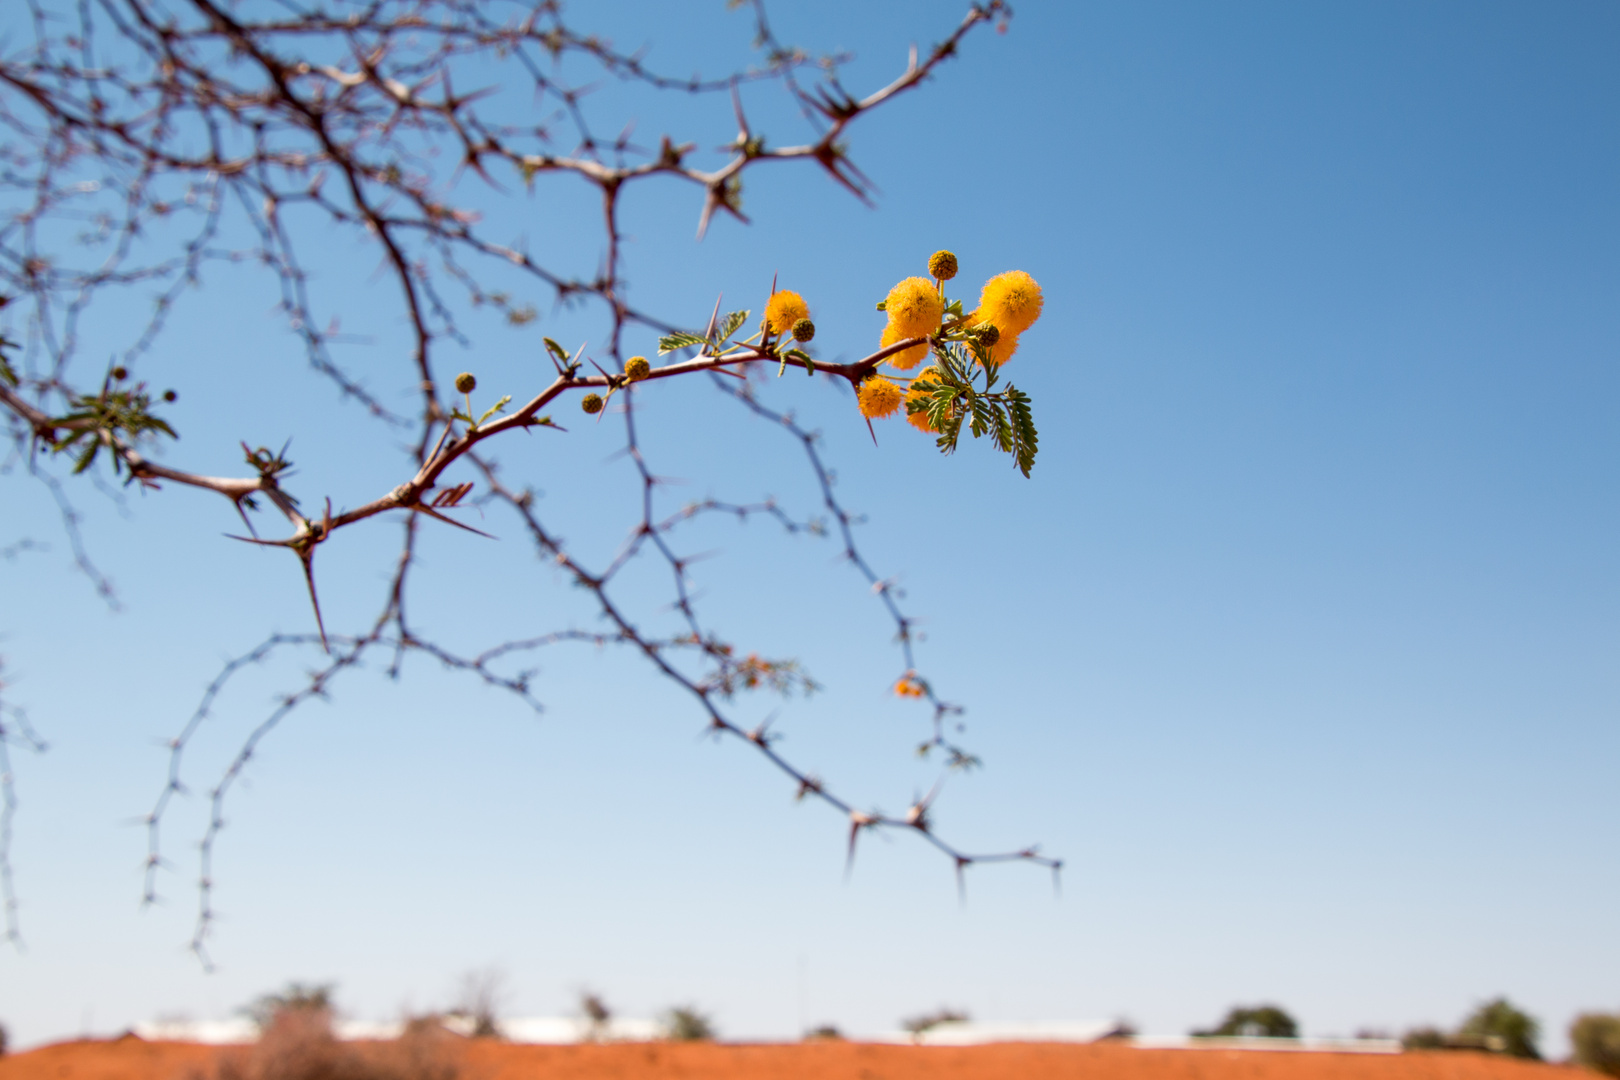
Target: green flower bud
x=942 y=264
x=987 y=334
x=804 y=330
x=465 y=383
x=591 y=403
x=636 y=368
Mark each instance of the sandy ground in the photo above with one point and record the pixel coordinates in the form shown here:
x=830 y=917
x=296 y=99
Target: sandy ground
x=132 y=1059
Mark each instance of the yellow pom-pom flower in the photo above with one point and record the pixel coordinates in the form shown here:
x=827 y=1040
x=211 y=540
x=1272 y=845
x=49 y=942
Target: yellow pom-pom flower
x=919 y=420
x=785 y=309
x=915 y=308
x=1012 y=301
x=879 y=398
x=905 y=359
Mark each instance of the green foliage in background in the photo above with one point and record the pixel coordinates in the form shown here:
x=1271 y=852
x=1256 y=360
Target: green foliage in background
x=1262 y=1021
x=1503 y=1028
x=685 y=1024
x=1596 y=1041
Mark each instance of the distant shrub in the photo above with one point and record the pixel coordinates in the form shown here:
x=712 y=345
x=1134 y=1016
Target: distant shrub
x=5 y=1040
x=1595 y=1037
x=298 y=1044
x=1425 y=1038
x=1264 y=1021
x=824 y=1033
x=1497 y=1027
x=597 y=1014
x=311 y=998
x=919 y=1024
x=685 y=1024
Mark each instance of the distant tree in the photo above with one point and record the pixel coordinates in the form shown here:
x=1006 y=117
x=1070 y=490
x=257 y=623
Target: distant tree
x=4 y=1040
x=824 y=1033
x=310 y=1000
x=1265 y=1021
x=1504 y=1029
x=1425 y=1038
x=1124 y=1028
x=685 y=1024
x=596 y=1013
x=919 y=1024
x=479 y=1001
x=1595 y=1037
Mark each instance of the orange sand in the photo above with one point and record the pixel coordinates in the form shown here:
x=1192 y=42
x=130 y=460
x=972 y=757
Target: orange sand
x=132 y=1059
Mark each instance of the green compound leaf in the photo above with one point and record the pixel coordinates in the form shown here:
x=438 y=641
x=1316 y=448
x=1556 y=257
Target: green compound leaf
x=730 y=323
x=118 y=412
x=671 y=342
x=1023 y=428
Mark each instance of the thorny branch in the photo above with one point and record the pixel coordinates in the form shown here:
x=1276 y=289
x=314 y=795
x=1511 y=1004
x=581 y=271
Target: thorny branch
x=14 y=731
x=155 y=138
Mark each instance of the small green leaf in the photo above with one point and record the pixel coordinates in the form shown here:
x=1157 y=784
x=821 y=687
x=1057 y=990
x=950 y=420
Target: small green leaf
x=495 y=408
x=557 y=350
x=802 y=357
x=982 y=420
x=730 y=323
x=671 y=342
x=883 y=305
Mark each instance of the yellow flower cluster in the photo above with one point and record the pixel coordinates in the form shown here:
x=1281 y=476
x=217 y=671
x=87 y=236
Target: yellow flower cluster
x=1010 y=302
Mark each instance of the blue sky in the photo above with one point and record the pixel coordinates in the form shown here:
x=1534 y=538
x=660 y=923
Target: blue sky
x=1299 y=647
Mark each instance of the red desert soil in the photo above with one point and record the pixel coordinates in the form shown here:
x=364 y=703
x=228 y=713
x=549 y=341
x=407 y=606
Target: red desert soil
x=132 y=1059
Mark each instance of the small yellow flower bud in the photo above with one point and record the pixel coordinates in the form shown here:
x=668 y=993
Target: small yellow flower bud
x=636 y=368
x=942 y=264
x=465 y=383
x=591 y=403
x=804 y=330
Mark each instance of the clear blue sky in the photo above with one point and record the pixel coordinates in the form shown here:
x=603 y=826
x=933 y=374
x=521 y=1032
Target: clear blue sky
x=1299 y=647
